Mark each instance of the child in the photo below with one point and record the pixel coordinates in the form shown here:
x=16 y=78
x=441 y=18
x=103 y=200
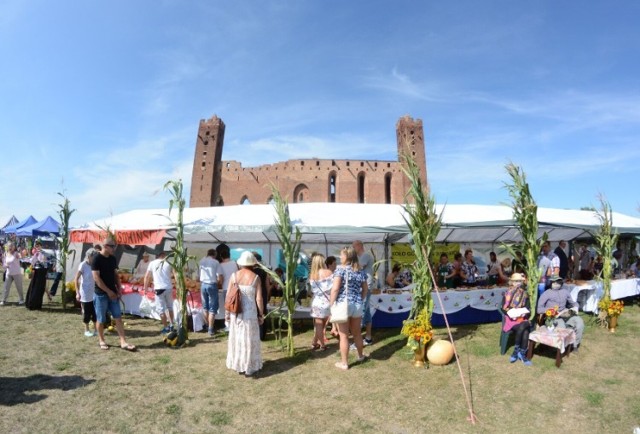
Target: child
x=85 y=291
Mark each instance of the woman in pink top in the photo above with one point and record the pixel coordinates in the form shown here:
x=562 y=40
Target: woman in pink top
x=13 y=273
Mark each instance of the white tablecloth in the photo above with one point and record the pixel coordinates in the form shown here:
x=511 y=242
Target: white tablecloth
x=588 y=294
x=625 y=288
x=452 y=301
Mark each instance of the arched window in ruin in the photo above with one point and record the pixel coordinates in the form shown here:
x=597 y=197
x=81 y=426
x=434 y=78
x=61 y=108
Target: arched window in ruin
x=387 y=188
x=220 y=201
x=245 y=201
x=361 y=187
x=301 y=193
x=333 y=182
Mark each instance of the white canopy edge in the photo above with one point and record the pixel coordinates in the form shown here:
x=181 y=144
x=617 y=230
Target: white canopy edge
x=344 y=222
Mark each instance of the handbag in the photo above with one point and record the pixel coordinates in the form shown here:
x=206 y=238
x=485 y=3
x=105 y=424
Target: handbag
x=340 y=310
x=233 y=302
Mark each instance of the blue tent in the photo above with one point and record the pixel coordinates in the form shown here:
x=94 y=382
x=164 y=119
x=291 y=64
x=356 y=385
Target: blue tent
x=43 y=227
x=12 y=229
x=12 y=221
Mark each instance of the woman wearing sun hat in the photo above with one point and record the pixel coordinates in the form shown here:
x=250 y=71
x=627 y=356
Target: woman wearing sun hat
x=243 y=351
x=516 y=297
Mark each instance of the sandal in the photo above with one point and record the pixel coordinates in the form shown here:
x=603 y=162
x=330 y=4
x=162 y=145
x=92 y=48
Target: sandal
x=128 y=347
x=314 y=347
x=103 y=346
x=342 y=366
x=323 y=348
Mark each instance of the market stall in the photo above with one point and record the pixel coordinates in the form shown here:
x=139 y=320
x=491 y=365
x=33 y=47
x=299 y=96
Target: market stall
x=326 y=227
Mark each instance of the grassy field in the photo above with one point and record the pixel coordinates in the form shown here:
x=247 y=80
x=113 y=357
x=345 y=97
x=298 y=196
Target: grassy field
x=53 y=379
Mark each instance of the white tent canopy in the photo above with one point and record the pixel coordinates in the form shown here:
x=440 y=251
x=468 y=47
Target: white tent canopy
x=340 y=222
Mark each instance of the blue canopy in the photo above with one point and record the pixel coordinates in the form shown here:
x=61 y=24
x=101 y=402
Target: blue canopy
x=12 y=229
x=12 y=221
x=43 y=227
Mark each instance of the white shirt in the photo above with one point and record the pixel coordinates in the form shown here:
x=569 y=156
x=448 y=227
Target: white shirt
x=209 y=270
x=228 y=268
x=87 y=284
x=12 y=263
x=142 y=267
x=161 y=272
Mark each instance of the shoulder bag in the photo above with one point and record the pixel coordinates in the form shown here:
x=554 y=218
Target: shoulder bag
x=340 y=310
x=233 y=302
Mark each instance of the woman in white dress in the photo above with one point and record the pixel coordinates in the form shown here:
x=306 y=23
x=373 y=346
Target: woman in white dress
x=243 y=353
x=321 y=281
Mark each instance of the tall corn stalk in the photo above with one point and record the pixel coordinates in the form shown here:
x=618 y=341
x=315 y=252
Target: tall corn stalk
x=291 y=253
x=64 y=212
x=525 y=213
x=424 y=225
x=178 y=258
x=606 y=239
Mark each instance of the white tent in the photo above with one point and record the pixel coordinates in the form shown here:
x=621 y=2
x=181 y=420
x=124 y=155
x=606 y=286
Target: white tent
x=342 y=223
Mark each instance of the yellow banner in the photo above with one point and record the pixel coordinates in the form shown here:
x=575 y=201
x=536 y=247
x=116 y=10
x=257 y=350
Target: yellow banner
x=403 y=253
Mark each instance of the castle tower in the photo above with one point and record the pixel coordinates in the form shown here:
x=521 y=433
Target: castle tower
x=206 y=174
x=410 y=137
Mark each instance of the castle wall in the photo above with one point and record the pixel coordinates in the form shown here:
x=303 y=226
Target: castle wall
x=217 y=182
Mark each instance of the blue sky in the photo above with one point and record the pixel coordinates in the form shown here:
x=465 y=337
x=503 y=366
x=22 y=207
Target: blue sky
x=103 y=99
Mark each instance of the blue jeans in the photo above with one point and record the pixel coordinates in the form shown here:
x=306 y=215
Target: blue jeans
x=366 y=314
x=209 y=294
x=102 y=304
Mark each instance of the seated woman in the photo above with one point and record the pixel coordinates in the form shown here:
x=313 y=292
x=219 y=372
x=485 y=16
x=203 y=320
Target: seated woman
x=493 y=269
x=516 y=297
x=504 y=271
x=393 y=276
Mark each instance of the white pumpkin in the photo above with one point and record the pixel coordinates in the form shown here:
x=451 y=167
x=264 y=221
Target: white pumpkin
x=440 y=352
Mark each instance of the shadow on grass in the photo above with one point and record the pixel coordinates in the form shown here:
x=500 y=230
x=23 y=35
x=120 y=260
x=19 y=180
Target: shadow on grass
x=15 y=389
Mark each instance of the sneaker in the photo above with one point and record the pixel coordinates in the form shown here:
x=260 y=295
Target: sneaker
x=522 y=355
x=212 y=332
x=1 y=303
x=21 y=302
x=352 y=347
x=165 y=330
x=362 y=358
x=88 y=334
x=514 y=355
x=366 y=342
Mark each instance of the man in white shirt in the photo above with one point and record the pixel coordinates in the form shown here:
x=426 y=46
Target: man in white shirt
x=549 y=265
x=211 y=278
x=160 y=269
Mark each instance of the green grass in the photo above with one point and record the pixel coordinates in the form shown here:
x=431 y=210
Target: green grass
x=49 y=368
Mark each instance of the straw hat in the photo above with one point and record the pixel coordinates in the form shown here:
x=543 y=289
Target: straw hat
x=247 y=259
x=517 y=277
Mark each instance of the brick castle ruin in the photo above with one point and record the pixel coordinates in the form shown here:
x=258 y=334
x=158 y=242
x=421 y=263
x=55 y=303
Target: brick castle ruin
x=217 y=183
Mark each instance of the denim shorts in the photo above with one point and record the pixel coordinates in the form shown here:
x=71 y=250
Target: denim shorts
x=366 y=314
x=102 y=304
x=354 y=310
x=209 y=294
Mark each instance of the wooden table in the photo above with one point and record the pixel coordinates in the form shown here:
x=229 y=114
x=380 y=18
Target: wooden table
x=561 y=339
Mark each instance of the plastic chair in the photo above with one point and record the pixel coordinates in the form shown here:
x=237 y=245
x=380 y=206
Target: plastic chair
x=504 y=336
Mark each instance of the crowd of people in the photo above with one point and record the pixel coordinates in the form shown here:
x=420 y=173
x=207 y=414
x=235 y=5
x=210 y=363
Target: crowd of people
x=99 y=291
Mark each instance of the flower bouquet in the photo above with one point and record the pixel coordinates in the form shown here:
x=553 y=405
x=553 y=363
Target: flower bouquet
x=613 y=308
x=550 y=315
x=418 y=331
